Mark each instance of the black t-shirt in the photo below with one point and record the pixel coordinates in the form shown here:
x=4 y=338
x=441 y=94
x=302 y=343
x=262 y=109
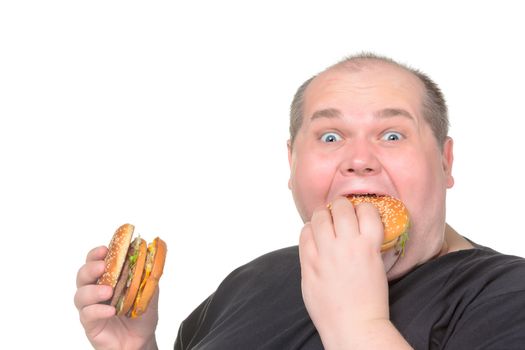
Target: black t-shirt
x=471 y=299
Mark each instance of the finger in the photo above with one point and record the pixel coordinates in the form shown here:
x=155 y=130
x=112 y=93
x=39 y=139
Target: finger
x=344 y=218
x=98 y=253
x=92 y=294
x=90 y=272
x=307 y=247
x=92 y=316
x=308 y=255
x=322 y=230
x=370 y=224
x=305 y=238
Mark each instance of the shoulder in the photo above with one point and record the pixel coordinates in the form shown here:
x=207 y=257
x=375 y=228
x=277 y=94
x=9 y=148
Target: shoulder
x=476 y=295
x=483 y=266
x=268 y=266
x=269 y=280
x=469 y=277
x=494 y=293
x=288 y=255
x=497 y=274
x=476 y=276
x=490 y=263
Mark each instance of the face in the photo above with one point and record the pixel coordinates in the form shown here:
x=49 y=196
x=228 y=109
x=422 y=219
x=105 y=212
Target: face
x=363 y=132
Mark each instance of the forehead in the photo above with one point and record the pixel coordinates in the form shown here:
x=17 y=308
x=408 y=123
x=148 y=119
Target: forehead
x=364 y=90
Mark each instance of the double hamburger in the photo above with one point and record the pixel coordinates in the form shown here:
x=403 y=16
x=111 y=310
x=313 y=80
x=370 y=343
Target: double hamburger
x=133 y=270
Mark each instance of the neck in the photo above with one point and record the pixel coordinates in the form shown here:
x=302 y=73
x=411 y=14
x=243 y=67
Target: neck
x=453 y=241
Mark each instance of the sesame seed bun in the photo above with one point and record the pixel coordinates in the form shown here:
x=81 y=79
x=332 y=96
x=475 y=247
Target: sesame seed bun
x=394 y=216
x=117 y=251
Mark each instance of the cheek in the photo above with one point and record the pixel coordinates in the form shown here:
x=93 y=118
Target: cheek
x=412 y=176
x=422 y=186
x=417 y=172
x=310 y=182
x=415 y=177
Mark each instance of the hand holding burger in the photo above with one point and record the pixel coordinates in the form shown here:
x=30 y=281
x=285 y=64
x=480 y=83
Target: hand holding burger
x=343 y=271
x=97 y=284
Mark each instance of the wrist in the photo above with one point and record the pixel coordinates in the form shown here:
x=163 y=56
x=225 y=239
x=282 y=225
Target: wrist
x=373 y=334
x=151 y=344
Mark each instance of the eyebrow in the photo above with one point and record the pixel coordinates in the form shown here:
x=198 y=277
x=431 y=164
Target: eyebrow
x=381 y=114
x=327 y=113
x=393 y=112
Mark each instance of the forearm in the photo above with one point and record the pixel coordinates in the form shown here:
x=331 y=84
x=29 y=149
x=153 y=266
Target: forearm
x=379 y=334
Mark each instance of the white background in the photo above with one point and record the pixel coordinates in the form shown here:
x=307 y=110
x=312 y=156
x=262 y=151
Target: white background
x=174 y=117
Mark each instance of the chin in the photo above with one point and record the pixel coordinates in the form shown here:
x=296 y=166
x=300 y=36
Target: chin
x=398 y=266
x=392 y=260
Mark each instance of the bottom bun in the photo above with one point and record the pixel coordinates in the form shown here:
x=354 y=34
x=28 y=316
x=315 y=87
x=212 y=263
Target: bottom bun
x=153 y=271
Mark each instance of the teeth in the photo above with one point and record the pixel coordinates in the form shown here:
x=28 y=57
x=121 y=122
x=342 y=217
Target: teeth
x=364 y=195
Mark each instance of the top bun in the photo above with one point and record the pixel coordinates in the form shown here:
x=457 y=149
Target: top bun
x=394 y=216
x=117 y=252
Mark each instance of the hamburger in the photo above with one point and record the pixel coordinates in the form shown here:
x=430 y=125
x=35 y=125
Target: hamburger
x=394 y=216
x=133 y=270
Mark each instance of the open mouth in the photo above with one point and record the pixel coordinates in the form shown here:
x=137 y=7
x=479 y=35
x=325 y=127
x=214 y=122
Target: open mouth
x=368 y=194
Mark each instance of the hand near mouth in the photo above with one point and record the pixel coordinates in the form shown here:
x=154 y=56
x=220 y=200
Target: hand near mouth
x=344 y=282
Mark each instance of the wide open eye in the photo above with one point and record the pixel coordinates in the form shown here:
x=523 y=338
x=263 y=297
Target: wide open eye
x=392 y=136
x=331 y=137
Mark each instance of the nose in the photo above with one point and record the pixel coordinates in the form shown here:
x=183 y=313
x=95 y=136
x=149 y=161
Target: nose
x=360 y=159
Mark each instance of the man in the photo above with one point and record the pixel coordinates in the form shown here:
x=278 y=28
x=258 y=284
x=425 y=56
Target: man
x=364 y=125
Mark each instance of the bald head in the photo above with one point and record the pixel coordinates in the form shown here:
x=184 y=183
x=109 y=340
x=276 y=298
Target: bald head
x=432 y=106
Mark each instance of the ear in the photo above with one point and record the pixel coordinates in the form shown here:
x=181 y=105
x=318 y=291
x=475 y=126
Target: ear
x=448 y=159
x=289 y=146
